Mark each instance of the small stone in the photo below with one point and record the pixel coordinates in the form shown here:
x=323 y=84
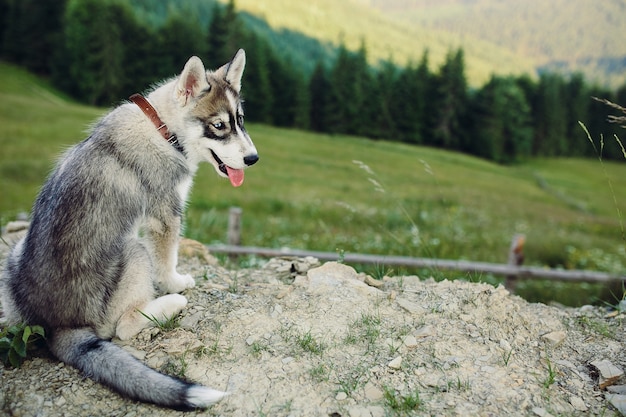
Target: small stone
x=618 y=401
x=554 y=338
x=60 y=402
x=341 y=396
x=286 y=291
x=506 y=346
x=617 y=389
x=410 y=306
x=277 y=310
x=541 y=412
x=250 y=340
x=190 y=322
x=396 y=363
x=425 y=331
x=586 y=308
x=609 y=373
x=577 y=403
x=372 y=392
x=409 y=341
x=373 y=282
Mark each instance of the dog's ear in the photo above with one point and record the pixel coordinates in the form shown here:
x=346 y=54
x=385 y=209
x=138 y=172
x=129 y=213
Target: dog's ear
x=191 y=81
x=233 y=71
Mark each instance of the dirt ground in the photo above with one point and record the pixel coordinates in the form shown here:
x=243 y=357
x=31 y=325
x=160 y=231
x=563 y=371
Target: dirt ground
x=292 y=337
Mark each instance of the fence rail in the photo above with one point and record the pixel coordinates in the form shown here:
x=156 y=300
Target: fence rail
x=526 y=272
x=513 y=270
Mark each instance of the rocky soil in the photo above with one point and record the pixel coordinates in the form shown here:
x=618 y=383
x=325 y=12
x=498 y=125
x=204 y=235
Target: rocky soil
x=296 y=338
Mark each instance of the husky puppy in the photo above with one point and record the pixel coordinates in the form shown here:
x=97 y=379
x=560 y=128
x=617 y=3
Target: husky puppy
x=105 y=227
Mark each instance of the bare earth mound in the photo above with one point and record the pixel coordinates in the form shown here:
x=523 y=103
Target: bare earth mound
x=293 y=338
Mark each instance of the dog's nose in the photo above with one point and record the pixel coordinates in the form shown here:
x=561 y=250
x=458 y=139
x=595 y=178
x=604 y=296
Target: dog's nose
x=251 y=159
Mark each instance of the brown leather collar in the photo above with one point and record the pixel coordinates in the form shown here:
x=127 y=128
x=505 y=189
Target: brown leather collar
x=152 y=114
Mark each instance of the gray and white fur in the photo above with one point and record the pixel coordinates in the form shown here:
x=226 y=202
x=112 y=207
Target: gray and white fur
x=102 y=244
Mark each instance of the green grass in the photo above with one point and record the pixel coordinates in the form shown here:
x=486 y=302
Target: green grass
x=307 y=192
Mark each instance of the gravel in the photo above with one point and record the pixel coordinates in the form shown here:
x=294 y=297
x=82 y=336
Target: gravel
x=293 y=337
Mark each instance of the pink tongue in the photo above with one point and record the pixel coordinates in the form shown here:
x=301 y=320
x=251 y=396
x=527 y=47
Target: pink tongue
x=235 y=176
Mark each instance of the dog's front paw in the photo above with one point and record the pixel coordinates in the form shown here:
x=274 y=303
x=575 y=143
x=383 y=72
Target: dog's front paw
x=179 y=283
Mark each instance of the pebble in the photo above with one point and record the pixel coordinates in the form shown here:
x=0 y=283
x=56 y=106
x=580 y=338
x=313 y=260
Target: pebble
x=373 y=282
x=609 y=373
x=617 y=389
x=191 y=321
x=541 y=412
x=372 y=392
x=396 y=363
x=410 y=306
x=425 y=331
x=618 y=401
x=577 y=403
x=554 y=338
x=341 y=396
x=409 y=341
x=277 y=310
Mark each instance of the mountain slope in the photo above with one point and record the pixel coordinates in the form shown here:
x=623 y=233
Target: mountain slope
x=572 y=35
x=385 y=38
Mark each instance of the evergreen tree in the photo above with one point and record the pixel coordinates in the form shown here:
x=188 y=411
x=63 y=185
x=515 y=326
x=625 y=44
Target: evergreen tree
x=141 y=60
x=502 y=124
x=379 y=121
x=285 y=84
x=349 y=79
x=225 y=35
x=320 y=96
x=550 y=116
x=180 y=38
x=94 y=51
x=408 y=104
x=257 y=88
x=577 y=108
x=450 y=102
x=31 y=30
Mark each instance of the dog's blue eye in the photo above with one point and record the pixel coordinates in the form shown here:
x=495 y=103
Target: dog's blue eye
x=219 y=125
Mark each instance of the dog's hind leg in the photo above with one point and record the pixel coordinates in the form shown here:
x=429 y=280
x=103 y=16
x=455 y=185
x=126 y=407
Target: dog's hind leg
x=161 y=309
x=133 y=306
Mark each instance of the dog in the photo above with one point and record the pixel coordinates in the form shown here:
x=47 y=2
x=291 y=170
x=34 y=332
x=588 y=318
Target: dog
x=102 y=243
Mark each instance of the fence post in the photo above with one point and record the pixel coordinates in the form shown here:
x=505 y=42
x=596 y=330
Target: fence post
x=516 y=258
x=234 y=226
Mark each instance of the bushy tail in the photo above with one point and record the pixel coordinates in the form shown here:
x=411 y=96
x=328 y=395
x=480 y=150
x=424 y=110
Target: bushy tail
x=109 y=364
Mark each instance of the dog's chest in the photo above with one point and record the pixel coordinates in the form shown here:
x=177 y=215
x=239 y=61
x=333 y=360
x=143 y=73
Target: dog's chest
x=182 y=189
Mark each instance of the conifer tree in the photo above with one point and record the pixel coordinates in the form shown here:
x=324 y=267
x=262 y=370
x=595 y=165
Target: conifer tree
x=225 y=34
x=550 y=116
x=320 y=98
x=180 y=38
x=576 y=101
x=502 y=124
x=31 y=30
x=259 y=100
x=450 y=102
x=94 y=51
x=408 y=103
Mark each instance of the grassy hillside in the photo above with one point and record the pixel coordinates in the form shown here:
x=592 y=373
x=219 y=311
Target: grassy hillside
x=308 y=192
x=385 y=38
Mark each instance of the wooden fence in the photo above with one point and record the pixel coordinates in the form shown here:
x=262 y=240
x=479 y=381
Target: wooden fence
x=513 y=270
